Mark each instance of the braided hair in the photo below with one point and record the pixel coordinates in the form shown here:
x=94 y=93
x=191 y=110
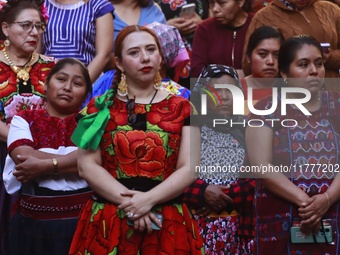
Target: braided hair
x=12 y=9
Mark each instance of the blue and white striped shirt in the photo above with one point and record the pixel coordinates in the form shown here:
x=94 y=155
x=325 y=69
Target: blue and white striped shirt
x=71 y=29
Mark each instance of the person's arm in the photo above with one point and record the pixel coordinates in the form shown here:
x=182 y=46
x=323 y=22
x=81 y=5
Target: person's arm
x=98 y=178
x=104 y=41
x=193 y=195
x=200 y=49
x=3 y=132
x=334 y=191
x=312 y=211
x=259 y=143
x=241 y=191
x=31 y=163
x=189 y=154
x=184 y=26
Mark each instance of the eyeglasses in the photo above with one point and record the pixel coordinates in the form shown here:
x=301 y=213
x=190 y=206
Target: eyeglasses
x=27 y=26
x=132 y=117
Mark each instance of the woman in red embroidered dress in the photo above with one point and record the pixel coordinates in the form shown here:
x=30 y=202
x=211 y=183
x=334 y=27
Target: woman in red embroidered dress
x=22 y=77
x=142 y=164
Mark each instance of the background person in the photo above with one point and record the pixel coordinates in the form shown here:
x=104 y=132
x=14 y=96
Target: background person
x=42 y=164
x=175 y=57
x=220 y=39
x=304 y=17
x=22 y=78
x=142 y=164
x=127 y=12
x=221 y=146
x=257 y=5
x=81 y=29
x=262 y=53
x=304 y=197
x=186 y=27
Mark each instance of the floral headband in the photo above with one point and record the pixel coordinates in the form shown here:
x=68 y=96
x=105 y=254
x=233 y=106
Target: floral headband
x=43 y=9
x=44 y=13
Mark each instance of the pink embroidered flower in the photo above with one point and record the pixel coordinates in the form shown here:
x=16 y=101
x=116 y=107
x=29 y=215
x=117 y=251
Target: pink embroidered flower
x=44 y=13
x=22 y=102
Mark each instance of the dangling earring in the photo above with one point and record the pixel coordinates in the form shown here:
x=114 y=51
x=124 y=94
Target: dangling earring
x=7 y=42
x=122 y=86
x=285 y=81
x=157 y=81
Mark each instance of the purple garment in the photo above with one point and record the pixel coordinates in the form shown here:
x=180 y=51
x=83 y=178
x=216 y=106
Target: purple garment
x=215 y=44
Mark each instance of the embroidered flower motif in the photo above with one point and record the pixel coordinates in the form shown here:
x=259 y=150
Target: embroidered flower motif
x=170 y=115
x=21 y=102
x=140 y=153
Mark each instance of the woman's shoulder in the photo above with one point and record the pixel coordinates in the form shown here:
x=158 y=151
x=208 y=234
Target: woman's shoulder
x=47 y=59
x=150 y=13
x=325 y=5
x=208 y=23
x=174 y=88
x=101 y=7
x=172 y=98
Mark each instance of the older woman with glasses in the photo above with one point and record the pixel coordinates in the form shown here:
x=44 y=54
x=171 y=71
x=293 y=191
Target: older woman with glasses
x=22 y=72
x=136 y=157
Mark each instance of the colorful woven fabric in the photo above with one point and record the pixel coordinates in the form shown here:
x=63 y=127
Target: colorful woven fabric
x=315 y=140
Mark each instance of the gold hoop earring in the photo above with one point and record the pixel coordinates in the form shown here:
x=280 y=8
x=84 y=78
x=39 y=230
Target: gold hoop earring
x=7 y=42
x=122 y=86
x=157 y=81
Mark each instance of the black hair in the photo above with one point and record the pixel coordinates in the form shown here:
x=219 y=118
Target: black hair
x=12 y=9
x=71 y=61
x=260 y=34
x=247 y=5
x=290 y=47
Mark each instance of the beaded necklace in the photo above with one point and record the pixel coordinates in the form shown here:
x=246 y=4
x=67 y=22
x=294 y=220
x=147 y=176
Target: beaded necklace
x=22 y=73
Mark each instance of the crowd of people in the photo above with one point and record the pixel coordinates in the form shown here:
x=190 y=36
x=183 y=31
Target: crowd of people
x=129 y=128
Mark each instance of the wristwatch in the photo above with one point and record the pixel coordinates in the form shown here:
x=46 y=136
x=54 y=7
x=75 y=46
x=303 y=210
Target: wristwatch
x=55 y=166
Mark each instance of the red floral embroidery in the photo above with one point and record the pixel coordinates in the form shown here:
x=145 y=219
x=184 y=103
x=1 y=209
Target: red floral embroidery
x=44 y=135
x=170 y=114
x=152 y=153
x=140 y=153
x=7 y=77
x=9 y=87
x=39 y=73
x=102 y=235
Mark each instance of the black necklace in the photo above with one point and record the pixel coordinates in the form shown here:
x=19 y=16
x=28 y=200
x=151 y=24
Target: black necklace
x=153 y=97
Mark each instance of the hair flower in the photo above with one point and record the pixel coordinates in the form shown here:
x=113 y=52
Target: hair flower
x=44 y=13
x=2 y=4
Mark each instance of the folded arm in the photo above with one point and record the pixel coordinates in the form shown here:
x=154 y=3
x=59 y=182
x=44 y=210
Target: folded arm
x=260 y=152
